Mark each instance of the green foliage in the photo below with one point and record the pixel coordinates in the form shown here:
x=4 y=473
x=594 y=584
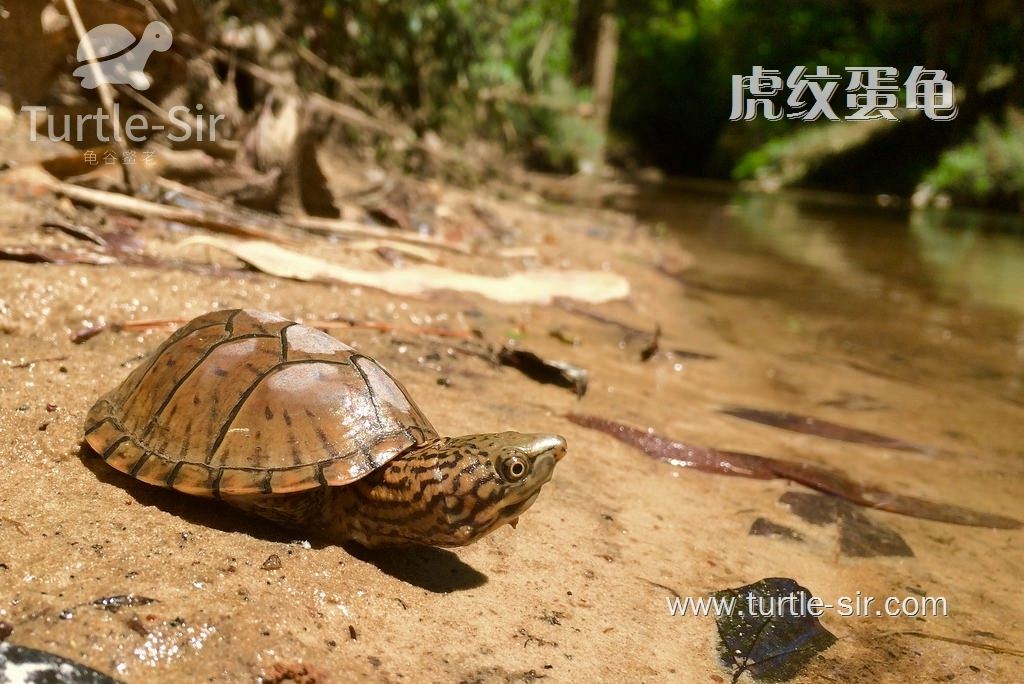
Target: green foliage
x=986 y=170
x=502 y=69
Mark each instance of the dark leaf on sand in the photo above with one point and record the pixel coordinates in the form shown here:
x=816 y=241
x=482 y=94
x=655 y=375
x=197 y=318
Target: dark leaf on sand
x=771 y=631
x=822 y=428
x=23 y=664
x=810 y=475
x=813 y=508
x=859 y=535
x=862 y=537
x=763 y=527
x=558 y=373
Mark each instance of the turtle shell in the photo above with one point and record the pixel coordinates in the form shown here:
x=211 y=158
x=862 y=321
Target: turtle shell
x=245 y=402
x=107 y=40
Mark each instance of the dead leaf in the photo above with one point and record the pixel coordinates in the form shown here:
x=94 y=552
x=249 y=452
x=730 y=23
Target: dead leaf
x=16 y=661
x=560 y=373
x=535 y=287
x=771 y=631
x=810 y=475
x=808 y=425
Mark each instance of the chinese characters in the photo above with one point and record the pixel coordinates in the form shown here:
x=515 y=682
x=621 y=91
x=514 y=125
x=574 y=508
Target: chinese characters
x=871 y=93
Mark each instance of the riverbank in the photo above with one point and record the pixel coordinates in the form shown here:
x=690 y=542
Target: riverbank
x=580 y=590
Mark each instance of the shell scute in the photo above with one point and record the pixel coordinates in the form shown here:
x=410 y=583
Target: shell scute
x=244 y=402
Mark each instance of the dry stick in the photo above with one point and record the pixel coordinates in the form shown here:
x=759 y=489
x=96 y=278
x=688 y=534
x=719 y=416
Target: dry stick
x=32 y=362
x=340 y=226
x=319 y=226
x=352 y=115
x=222 y=148
x=106 y=92
x=147 y=209
x=346 y=82
x=357 y=117
x=959 y=642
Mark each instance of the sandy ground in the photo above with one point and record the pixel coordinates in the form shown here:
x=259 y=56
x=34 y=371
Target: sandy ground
x=578 y=592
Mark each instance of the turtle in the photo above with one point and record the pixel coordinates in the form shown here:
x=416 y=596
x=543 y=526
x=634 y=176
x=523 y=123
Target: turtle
x=285 y=422
x=120 y=57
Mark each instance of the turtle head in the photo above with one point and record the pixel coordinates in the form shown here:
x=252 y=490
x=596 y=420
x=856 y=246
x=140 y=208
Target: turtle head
x=457 y=489
x=492 y=479
x=157 y=36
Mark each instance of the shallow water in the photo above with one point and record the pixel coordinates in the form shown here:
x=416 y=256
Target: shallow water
x=925 y=296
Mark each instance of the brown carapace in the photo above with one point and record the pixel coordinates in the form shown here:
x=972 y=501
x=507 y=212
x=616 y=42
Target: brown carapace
x=285 y=422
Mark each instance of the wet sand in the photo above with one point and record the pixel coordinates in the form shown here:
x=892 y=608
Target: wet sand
x=578 y=592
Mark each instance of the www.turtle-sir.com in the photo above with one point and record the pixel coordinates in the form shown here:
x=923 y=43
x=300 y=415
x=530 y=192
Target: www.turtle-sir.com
x=796 y=604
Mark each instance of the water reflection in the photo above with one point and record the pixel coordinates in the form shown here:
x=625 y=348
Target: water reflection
x=922 y=296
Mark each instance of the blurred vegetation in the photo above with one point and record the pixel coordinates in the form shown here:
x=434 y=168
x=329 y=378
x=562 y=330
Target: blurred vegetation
x=987 y=169
x=509 y=71
x=497 y=69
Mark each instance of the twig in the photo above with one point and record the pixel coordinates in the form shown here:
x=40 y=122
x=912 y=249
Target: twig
x=83 y=334
x=17 y=525
x=343 y=227
x=319 y=226
x=106 y=92
x=80 y=232
x=346 y=82
x=357 y=117
x=222 y=148
x=147 y=209
x=961 y=642
x=32 y=362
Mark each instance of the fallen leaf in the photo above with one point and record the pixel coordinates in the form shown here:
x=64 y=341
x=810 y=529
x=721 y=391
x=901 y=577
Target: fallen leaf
x=859 y=535
x=560 y=373
x=536 y=287
x=771 y=632
x=810 y=475
x=24 y=664
x=809 y=425
x=763 y=527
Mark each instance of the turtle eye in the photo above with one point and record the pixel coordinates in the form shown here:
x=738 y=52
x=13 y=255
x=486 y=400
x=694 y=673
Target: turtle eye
x=514 y=468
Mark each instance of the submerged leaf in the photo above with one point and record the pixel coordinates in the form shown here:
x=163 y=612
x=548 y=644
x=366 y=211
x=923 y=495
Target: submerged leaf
x=859 y=535
x=771 y=631
x=763 y=527
x=811 y=475
x=808 y=425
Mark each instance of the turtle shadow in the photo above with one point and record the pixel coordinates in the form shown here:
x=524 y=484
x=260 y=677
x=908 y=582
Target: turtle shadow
x=435 y=570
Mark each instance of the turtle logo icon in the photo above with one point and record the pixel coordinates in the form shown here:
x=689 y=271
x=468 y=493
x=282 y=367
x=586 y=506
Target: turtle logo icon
x=121 y=58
